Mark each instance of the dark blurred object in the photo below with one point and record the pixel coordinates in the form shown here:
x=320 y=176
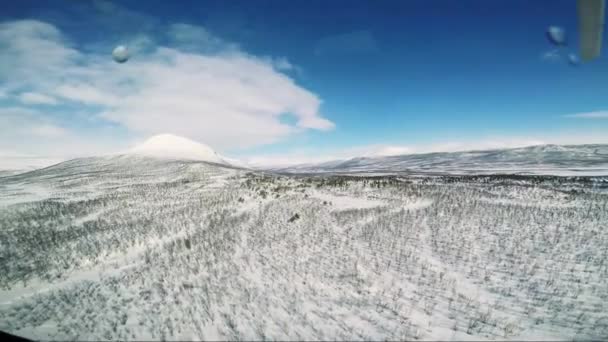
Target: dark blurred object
x=591 y=27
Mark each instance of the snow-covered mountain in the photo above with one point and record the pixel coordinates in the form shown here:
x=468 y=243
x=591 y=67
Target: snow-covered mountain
x=542 y=159
x=167 y=147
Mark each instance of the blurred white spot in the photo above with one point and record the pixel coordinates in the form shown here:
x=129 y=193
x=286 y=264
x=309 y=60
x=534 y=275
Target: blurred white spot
x=556 y=35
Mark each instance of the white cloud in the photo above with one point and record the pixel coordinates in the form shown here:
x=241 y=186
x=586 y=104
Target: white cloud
x=225 y=98
x=590 y=115
x=31 y=98
x=224 y=101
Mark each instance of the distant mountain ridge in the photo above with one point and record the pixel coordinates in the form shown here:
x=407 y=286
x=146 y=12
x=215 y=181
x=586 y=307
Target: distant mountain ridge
x=589 y=159
x=575 y=160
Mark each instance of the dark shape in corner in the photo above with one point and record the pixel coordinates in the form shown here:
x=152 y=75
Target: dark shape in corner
x=9 y=337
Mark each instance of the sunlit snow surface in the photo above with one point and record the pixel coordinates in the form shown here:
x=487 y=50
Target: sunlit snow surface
x=135 y=248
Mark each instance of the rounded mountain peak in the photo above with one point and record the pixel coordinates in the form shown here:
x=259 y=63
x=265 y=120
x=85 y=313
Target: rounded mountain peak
x=175 y=147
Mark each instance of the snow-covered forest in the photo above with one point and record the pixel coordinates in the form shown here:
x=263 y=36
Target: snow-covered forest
x=134 y=248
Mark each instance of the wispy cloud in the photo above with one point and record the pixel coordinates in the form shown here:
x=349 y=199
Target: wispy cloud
x=30 y=98
x=355 y=42
x=589 y=115
x=552 y=56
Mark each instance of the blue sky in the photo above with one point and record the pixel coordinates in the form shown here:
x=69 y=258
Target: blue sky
x=315 y=79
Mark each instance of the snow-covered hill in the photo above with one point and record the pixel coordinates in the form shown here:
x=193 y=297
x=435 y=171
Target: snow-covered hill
x=543 y=159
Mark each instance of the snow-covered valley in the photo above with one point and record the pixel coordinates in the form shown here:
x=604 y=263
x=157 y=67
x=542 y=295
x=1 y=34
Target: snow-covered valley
x=137 y=248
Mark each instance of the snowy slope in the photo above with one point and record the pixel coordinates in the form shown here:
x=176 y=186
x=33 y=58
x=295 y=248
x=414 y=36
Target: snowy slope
x=543 y=159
